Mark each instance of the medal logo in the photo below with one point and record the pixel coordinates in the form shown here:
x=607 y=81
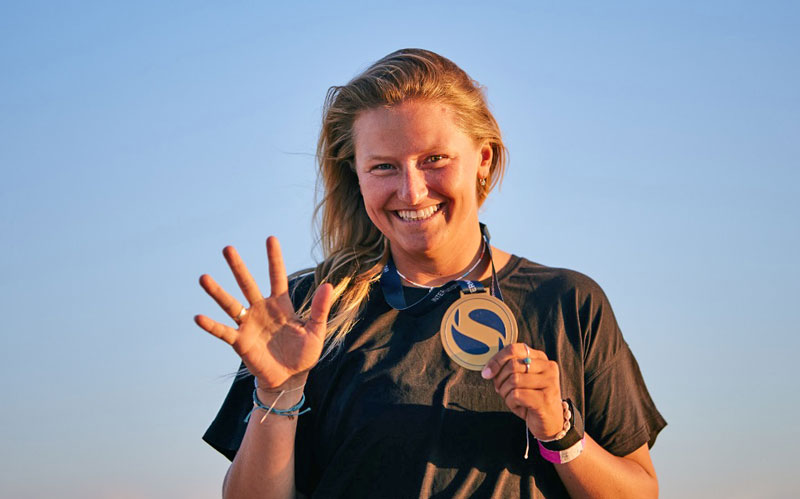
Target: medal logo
x=476 y=327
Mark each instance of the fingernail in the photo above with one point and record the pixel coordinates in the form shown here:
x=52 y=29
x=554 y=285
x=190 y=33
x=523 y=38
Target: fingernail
x=486 y=373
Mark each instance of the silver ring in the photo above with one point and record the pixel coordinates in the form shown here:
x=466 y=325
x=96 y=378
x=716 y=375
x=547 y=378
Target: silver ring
x=241 y=314
x=527 y=360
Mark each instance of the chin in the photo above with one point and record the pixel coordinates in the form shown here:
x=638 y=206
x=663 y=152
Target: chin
x=421 y=245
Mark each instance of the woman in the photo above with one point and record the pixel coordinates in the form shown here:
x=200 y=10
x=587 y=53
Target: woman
x=413 y=389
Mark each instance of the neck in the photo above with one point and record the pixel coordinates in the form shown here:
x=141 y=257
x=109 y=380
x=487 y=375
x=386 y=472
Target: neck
x=431 y=272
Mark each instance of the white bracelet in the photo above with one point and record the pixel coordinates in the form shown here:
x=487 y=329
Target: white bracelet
x=565 y=427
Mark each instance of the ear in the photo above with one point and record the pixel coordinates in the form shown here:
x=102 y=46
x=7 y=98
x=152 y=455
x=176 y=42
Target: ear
x=486 y=157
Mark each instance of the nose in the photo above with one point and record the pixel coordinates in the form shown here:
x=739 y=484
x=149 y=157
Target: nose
x=414 y=187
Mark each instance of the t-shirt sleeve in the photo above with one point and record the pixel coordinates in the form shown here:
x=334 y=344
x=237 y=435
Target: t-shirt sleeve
x=619 y=413
x=226 y=431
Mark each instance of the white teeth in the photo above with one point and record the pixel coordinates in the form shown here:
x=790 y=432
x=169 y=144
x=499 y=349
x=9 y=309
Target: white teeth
x=414 y=215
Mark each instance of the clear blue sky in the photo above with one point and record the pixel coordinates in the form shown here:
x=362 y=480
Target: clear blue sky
x=653 y=147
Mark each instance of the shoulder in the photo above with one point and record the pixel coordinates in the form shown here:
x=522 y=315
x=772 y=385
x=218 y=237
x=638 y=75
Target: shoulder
x=563 y=304
x=554 y=283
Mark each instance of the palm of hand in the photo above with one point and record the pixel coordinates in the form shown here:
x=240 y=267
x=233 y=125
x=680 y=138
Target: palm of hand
x=274 y=344
x=271 y=341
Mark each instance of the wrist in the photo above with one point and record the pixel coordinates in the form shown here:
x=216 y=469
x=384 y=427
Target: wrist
x=291 y=383
x=276 y=403
x=281 y=397
x=566 y=421
x=568 y=443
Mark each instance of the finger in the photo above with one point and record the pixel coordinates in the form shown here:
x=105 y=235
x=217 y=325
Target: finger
x=221 y=331
x=541 y=411
x=525 y=399
x=517 y=367
x=228 y=303
x=523 y=381
x=246 y=282
x=514 y=350
x=278 y=282
x=320 y=308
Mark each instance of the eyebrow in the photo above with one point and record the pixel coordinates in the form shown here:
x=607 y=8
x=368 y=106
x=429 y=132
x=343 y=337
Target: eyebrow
x=379 y=158
x=428 y=150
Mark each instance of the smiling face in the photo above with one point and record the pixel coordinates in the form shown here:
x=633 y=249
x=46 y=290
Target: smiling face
x=418 y=171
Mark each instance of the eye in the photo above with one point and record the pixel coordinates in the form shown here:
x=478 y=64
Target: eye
x=435 y=158
x=382 y=167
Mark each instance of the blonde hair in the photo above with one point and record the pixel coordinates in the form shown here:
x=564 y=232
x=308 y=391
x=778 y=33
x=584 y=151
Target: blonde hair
x=354 y=250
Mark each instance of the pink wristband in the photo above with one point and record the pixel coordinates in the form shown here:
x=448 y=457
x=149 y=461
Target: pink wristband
x=562 y=456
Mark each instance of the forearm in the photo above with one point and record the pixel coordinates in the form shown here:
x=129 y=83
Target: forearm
x=598 y=473
x=264 y=463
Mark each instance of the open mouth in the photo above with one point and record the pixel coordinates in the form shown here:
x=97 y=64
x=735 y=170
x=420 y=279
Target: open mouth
x=417 y=215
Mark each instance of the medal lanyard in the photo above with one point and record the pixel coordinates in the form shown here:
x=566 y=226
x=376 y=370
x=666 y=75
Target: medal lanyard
x=393 y=288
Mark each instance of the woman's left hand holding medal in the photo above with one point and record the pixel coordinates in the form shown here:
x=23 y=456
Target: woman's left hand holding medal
x=529 y=384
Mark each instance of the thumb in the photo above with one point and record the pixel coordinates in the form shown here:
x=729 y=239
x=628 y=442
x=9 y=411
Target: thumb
x=320 y=308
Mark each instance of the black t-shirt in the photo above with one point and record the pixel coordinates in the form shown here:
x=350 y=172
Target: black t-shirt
x=393 y=416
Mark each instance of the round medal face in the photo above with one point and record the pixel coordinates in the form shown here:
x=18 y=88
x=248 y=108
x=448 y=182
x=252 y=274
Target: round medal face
x=476 y=327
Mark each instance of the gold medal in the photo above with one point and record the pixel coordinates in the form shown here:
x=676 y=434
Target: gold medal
x=476 y=327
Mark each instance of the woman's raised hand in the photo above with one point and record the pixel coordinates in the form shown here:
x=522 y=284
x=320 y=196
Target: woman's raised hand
x=271 y=340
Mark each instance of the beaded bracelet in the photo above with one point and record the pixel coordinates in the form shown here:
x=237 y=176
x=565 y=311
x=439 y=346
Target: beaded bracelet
x=568 y=438
x=567 y=425
x=570 y=443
